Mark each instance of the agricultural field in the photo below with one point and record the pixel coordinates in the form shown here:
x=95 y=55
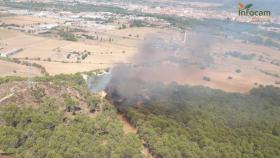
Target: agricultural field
x=61 y=56
x=13 y=69
x=28 y=20
x=93 y=44
x=62 y=53
x=223 y=72
x=54 y=68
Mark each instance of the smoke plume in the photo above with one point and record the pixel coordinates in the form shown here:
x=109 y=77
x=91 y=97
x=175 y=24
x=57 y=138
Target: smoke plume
x=160 y=59
x=97 y=83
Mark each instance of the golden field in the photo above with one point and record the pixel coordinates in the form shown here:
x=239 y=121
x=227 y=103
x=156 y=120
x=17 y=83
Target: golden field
x=52 y=53
x=28 y=20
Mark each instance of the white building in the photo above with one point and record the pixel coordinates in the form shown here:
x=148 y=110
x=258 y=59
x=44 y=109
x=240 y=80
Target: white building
x=11 y=52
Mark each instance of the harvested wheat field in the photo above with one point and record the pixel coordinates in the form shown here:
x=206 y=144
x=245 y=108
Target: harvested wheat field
x=52 y=54
x=29 y=20
x=12 y=69
x=41 y=47
x=54 y=68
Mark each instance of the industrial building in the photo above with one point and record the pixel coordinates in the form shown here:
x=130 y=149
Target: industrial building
x=11 y=52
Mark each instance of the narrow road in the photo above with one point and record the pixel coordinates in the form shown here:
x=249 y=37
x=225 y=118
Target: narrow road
x=128 y=128
x=6 y=97
x=13 y=92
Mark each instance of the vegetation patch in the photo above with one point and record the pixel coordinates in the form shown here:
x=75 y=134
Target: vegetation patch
x=198 y=122
x=48 y=130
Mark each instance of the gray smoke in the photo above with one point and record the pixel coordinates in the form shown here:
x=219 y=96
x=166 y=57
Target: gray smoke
x=97 y=83
x=161 y=58
x=157 y=49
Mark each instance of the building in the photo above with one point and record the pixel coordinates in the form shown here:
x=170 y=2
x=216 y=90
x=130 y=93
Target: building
x=11 y=52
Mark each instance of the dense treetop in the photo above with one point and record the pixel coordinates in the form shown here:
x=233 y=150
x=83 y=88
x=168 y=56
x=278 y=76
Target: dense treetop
x=199 y=122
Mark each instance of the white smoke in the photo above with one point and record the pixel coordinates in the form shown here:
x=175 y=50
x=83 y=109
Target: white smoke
x=98 y=83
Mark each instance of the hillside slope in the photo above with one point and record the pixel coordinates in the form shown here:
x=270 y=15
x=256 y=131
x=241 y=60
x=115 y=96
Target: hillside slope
x=58 y=117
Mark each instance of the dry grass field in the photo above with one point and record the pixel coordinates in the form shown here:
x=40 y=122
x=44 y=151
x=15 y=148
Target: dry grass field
x=29 y=20
x=54 y=68
x=34 y=47
x=240 y=82
x=12 y=69
x=6 y=34
x=222 y=72
x=104 y=54
x=42 y=47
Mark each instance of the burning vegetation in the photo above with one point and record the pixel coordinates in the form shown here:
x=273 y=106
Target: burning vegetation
x=192 y=121
x=199 y=121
